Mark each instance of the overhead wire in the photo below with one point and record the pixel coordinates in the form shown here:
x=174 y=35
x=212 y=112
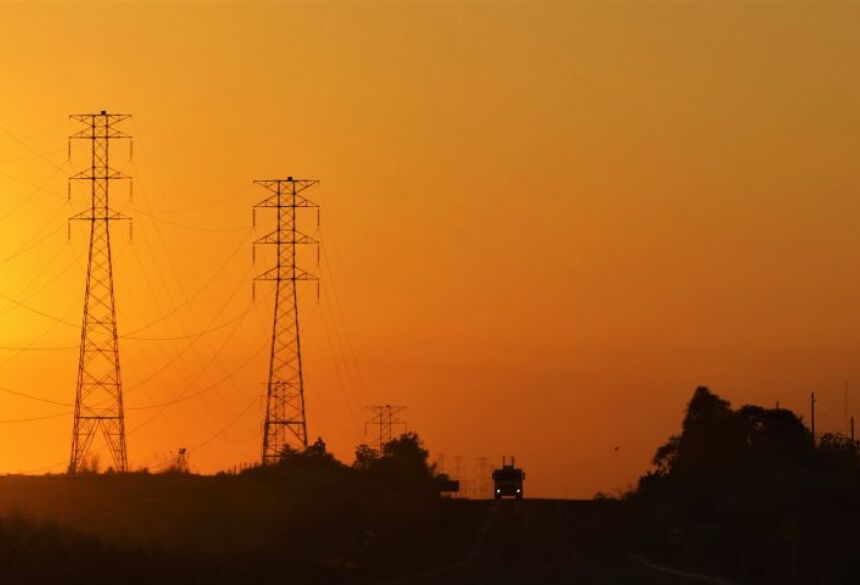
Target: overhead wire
x=9 y=421
x=218 y=273
x=227 y=426
x=43 y=468
x=33 y=397
x=327 y=266
x=36 y=190
x=206 y=205
x=26 y=145
x=30 y=244
x=160 y=407
x=20 y=350
x=188 y=226
x=38 y=311
x=28 y=348
x=342 y=379
x=35 y=277
x=205 y=367
x=175 y=357
x=29 y=156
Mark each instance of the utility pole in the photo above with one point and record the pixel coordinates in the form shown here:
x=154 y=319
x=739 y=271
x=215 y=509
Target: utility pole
x=98 y=392
x=285 y=423
x=182 y=460
x=457 y=474
x=812 y=415
x=385 y=419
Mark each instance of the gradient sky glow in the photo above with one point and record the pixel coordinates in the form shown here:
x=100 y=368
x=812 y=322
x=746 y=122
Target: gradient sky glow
x=543 y=224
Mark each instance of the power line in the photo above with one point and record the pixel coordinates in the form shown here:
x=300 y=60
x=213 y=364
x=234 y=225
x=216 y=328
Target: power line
x=37 y=311
x=35 y=418
x=186 y=226
x=63 y=321
x=32 y=397
x=226 y=427
x=36 y=153
x=161 y=407
x=30 y=348
x=214 y=278
x=165 y=286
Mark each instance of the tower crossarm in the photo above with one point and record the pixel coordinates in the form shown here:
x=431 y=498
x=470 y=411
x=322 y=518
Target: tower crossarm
x=100 y=175
x=276 y=237
x=286 y=273
x=109 y=215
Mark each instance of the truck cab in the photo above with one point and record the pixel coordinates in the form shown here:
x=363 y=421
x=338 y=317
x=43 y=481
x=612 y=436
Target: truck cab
x=508 y=480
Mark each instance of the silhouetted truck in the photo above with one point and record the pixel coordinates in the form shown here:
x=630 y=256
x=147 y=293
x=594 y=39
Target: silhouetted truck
x=508 y=480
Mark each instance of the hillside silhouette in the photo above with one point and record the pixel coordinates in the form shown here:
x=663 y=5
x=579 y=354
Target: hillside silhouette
x=309 y=516
x=746 y=494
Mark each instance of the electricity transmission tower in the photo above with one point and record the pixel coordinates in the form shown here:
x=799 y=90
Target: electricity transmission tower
x=483 y=489
x=460 y=476
x=285 y=423
x=385 y=419
x=98 y=394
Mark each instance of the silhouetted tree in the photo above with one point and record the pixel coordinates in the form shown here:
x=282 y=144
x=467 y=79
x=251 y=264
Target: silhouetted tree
x=365 y=457
x=315 y=455
x=753 y=475
x=407 y=453
x=732 y=455
x=837 y=451
x=666 y=456
x=404 y=461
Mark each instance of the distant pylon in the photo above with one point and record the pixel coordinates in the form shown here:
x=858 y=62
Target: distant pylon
x=285 y=423
x=385 y=419
x=98 y=395
x=482 y=478
x=460 y=476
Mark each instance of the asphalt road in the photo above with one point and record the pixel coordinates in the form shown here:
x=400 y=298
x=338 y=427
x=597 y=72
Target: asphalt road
x=549 y=541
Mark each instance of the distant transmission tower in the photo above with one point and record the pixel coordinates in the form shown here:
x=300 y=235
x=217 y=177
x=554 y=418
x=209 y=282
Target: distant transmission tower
x=98 y=395
x=460 y=476
x=285 y=423
x=385 y=419
x=482 y=478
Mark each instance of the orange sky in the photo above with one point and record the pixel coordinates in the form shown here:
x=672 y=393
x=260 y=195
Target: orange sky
x=544 y=225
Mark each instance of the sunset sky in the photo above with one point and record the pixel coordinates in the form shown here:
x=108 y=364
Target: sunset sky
x=543 y=224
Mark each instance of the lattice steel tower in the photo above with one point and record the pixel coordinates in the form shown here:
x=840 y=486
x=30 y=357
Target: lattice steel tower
x=285 y=423
x=386 y=420
x=98 y=397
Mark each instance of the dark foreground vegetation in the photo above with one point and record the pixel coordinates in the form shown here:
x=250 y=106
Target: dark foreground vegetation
x=750 y=493
x=747 y=494
x=309 y=518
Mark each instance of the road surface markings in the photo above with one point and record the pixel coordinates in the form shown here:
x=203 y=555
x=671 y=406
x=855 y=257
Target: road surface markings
x=680 y=573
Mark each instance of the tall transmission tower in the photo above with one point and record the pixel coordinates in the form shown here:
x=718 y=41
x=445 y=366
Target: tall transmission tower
x=98 y=394
x=385 y=419
x=285 y=423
